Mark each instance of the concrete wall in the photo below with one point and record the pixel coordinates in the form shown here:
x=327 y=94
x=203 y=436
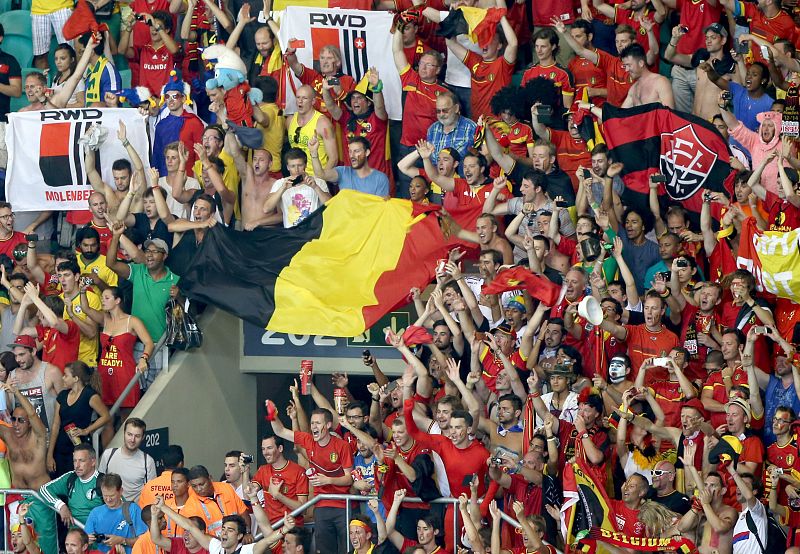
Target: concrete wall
x=208 y=405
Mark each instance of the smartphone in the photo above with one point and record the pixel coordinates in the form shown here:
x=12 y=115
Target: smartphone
x=682 y=262
x=262 y=17
x=33 y=237
x=297 y=44
x=658 y=178
x=544 y=110
x=765 y=52
x=561 y=203
x=762 y=330
x=667 y=275
x=586 y=173
x=333 y=81
x=662 y=361
x=684 y=29
x=467 y=480
x=742 y=47
x=366 y=353
x=247 y=459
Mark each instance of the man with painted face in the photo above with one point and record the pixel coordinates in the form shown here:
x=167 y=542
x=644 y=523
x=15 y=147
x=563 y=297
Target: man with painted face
x=619 y=367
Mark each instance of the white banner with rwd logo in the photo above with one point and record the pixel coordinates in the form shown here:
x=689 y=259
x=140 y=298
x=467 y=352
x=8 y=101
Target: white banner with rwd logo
x=46 y=169
x=363 y=37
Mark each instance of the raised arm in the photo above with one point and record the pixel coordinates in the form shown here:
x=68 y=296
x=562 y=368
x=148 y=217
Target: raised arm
x=325 y=173
x=277 y=424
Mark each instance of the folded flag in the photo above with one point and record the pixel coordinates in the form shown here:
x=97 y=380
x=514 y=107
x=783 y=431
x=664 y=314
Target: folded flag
x=479 y=24
x=515 y=278
x=586 y=503
x=686 y=149
x=82 y=21
x=336 y=273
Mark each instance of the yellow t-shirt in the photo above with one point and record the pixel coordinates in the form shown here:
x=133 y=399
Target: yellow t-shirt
x=42 y=7
x=99 y=268
x=230 y=178
x=88 y=349
x=274 y=134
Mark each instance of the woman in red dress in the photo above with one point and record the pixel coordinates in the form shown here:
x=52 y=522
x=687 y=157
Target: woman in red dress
x=117 y=366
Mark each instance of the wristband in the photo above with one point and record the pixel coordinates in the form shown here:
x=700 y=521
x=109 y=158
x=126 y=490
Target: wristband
x=536 y=394
x=377 y=88
x=666 y=294
x=126 y=143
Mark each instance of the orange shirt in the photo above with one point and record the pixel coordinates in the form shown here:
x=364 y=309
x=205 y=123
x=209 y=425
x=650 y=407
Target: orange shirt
x=160 y=486
x=228 y=501
x=643 y=344
x=144 y=545
x=204 y=508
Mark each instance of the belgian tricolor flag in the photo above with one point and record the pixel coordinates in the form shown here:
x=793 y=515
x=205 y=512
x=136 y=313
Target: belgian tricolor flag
x=477 y=23
x=686 y=149
x=336 y=273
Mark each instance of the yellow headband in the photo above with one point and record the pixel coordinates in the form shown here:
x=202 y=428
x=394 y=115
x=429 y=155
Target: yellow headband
x=359 y=523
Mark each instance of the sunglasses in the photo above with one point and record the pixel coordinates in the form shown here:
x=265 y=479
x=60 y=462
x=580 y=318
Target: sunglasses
x=15 y=419
x=660 y=472
x=296 y=139
x=173 y=95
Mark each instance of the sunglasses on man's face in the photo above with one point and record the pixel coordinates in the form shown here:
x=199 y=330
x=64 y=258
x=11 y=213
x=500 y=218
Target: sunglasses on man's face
x=660 y=472
x=20 y=419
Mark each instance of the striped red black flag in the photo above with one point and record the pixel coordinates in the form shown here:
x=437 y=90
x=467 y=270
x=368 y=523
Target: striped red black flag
x=686 y=149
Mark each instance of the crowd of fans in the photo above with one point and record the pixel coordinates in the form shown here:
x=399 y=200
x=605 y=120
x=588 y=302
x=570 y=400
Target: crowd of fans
x=690 y=358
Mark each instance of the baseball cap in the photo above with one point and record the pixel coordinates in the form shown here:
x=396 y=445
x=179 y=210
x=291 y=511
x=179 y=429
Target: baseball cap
x=742 y=403
x=697 y=405
x=24 y=340
x=158 y=243
x=506 y=329
x=717 y=28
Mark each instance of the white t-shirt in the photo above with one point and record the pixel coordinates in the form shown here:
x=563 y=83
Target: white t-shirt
x=299 y=201
x=177 y=208
x=457 y=74
x=568 y=410
x=215 y=547
x=74 y=98
x=744 y=541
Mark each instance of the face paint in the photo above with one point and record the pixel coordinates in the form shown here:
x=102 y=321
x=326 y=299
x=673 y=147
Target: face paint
x=616 y=370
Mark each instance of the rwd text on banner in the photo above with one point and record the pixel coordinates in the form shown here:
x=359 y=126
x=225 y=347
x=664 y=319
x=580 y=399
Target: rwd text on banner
x=46 y=169
x=364 y=38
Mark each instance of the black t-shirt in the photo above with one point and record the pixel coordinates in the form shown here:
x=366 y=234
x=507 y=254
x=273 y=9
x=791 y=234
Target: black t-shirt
x=9 y=69
x=247 y=41
x=557 y=183
x=143 y=232
x=675 y=501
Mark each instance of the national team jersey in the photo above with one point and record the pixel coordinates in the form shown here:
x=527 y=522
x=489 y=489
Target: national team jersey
x=696 y=15
x=101 y=78
x=587 y=75
x=487 y=79
x=619 y=81
x=571 y=154
x=294 y=484
x=521 y=137
x=154 y=67
x=330 y=460
x=419 y=106
x=768 y=28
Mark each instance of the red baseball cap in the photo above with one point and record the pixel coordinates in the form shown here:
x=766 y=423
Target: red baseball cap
x=697 y=405
x=24 y=340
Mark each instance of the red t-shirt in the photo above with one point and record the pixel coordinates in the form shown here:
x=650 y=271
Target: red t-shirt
x=560 y=76
x=520 y=136
x=314 y=80
x=545 y=10
x=586 y=74
x=58 y=348
x=178 y=546
x=419 y=106
x=465 y=203
x=627 y=520
x=570 y=444
x=105 y=236
x=782 y=215
x=295 y=483
x=372 y=128
x=393 y=479
x=7 y=245
x=714 y=383
x=154 y=67
x=696 y=15
x=572 y=153
x=487 y=79
x=619 y=81
x=629 y=17
x=408 y=543
x=768 y=28
x=752 y=451
x=330 y=460
x=786 y=458
x=693 y=322
x=414 y=52
x=458 y=462
x=643 y=344
x=668 y=394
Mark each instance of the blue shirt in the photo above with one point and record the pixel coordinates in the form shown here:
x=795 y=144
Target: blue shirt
x=112 y=522
x=368 y=473
x=376 y=182
x=745 y=108
x=639 y=258
x=775 y=397
x=462 y=137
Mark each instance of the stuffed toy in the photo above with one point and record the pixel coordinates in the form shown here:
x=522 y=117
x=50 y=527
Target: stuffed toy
x=230 y=75
x=136 y=96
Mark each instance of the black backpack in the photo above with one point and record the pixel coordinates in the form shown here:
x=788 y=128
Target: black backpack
x=71 y=485
x=776 y=536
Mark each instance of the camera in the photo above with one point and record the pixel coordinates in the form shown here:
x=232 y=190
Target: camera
x=658 y=178
x=727 y=96
x=366 y=353
x=247 y=459
x=32 y=237
x=684 y=29
x=707 y=197
x=497 y=460
x=682 y=262
x=334 y=81
x=100 y=537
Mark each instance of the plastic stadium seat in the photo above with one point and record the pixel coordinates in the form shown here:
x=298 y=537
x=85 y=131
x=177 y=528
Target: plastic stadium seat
x=19 y=47
x=17 y=22
x=5 y=6
x=22 y=101
x=26 y=4
x=126 y=77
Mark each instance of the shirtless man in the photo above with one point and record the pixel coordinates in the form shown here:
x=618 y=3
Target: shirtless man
x=256 y=185
x=122 y=170
x=27 y=453
x=647 y=86
x=706 y=94
x=39 y=382
x=712 y=520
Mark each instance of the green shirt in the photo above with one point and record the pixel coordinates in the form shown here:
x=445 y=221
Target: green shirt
x=83 y=499
x=150 y=297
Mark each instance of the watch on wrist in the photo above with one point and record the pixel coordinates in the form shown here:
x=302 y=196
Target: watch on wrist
x=585 y=435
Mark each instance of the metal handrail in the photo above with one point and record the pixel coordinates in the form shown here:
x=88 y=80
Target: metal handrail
x=23 y=492
x=358 y=498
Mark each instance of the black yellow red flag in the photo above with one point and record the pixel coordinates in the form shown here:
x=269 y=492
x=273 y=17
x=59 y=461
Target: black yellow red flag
x=336 y=273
